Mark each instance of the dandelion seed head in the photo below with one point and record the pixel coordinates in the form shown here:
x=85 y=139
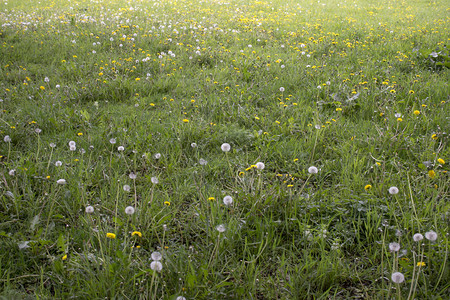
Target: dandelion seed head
x=157 y=155
x=73 y=148
x=89 y=209
x=225 y=147
x=417 y=237
x=281 y=89
x=431 y=236
x=394 y=247
x=393 y=190
x=193 y=145
x=260 y=165
x=155 y=180
x=12 y=172
x=120 y=148
x=227 y=200
x=7 y=139
x=156 y=256
x=58 y=163
x=72 y=144
x=220 y=228
x=397 y=277
x=203 y=162
x=313 y=170
x=112 y=141
x=52 y=145
x=132 y=176
x=126 y=188
x=61 y=181
x=156 y=266
x=129 y=210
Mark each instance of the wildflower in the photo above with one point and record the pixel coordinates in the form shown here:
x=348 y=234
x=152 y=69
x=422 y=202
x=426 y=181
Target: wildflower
x=194 y=145
x=421 y=264
x=281 y=89
x=156 y=256
x=180 y=298
x=12 y=172
x=157 y=155
x=52 y=145
x=112 y=141
x=110 y=235
x=185 y=121
x=313 y=170
x=211 y=198
x=227 y=200
x=139 y=234
x=61 y=181
x=7 y=139
x=399 y=119
x=64 y=257
x=154 y=180
x=367 y=187
x=126 y=188
x=398 y=277
x=167 y=203
x=317 y=126
x=202 y=162
x=260 y=165
x=220 y=228
x=132 y=175
x=120 y=148
x=156 y=266
x=417 y=237
x=434 y=136
x=431 y=174
x=393 y=190
x=129 y=210
x=38 y=130
x=416 y=112
x=73 y=148
x=338 y=109
x=58 y=163
x=42 y=88
x=441 y=161
x=398 y=115
x=225 y=147
x=394 y=247
x=431 y=236
x=89 y=209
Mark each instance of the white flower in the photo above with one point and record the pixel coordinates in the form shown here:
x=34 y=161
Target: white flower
x=7 y=139
x=157 y=155
x=394 y=247
x=317 y=126
x=38 y=130
x=417 y=237
x=281 y=89
x=194 y=145
x=112 y=141
x=393 y=190
x=260 y=165
x=72 y=144
x=57 y=86
x=89 y=209
x=156 y=266
x=12 y=172
x=58 y=163
x=180 y=298
x=61 y=181
x=46 y=79
x=398 y=277
x=129 y=210
x=52 y=145
x=227 y=200
x=431 y=235
x=156 y=256
x=312 y=170
x=73 y=148
x=398 y=115
x=120 y=148
x=132 y=175
x=220 y=228
x=225 y=147
x=126 y=188
x=203 y=162
x=155 y=180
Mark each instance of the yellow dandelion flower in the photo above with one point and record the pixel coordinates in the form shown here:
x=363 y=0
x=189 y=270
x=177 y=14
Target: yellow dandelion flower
x=100 y=74
x=139 y=234
x=137 y=79
x=421 y=264
x=241 y=173
x=416 y=112
x=42 y=88
x=48 y=177
x=64 y=257
x=399 y=119
x=367 y=187
x=431 y=174
x=185 y=121
x=110 y=235
x=167 y=203
x=338 y=109
x=441 y=161
x=211 y=198
x=411 y=92
x=79 y=133
x=434 y=136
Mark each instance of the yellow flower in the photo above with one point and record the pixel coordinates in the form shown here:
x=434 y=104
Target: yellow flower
x=137 y=79
x=42 y=88
x=48 y=177
x=411 y=92
x=79 y=133
x=136 y=233
x=338 y=109
x=434 y=136
x=431 y=174
x=64 y=257
x=100 y=74
x=399 y=119
x=185 y=121
x=211 y=198
x=367 y=187
x=110 y=235
x=441 y=161
x=416 y=112
x=167 y=203
x=241 y=173
x=421 y=264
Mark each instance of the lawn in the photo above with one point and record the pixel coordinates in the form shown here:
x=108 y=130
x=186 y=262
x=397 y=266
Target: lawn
x=188 y=149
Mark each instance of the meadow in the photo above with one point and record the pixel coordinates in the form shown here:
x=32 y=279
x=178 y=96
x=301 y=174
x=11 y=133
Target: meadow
x=182 y=149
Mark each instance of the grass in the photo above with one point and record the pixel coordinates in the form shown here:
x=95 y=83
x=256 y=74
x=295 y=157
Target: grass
x=149 y=91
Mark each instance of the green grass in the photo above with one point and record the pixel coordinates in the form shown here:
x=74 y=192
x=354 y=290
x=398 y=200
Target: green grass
x=350 y=87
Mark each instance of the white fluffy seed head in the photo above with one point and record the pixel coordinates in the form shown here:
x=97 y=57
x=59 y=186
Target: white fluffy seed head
x=394 y=247
x=126 y=188
x=398 y=277
x=225 y=147
x=129 y=210
x=156 y=266
x=220 y=228
x=260 y=165
x=155 y=180
x=121 y=148
x=72 y=143
x=61 y=181
x=313 y=170
x=431 y=235
x=417 y=237
x=156 y=256
x=227 y=200
x=89 y=209
x=393 y=190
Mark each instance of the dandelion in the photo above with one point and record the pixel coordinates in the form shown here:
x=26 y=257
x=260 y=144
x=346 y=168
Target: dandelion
x=112 y=141
x=156 y=266
x=156 y=256
x=139 y=234
x=129 y=210
x=431 y=236
x=120 y=148
x=421 y=264
x=441 y=161
x=89 y=209
x=7 y=139
x=417 y=237
x=126 y=188
x=72 y=144
x=52 y=145
x=110 y=235
x=227 y=200
x=185 y=121
x=394 y=247
x=73 y=148
x=260 y=165
x=398 y=277
x=416 y=112
x=58 y=163
x=225 y=147
x=167 y=203
x=64 y=257
x=313 y=170
x=61 y=181
x=431 y=174
x=367 y=187
x=157 y=155
x=393 y=190
x=211 y=198
x=132 y=176
x=281 y=89
x=194 y=145
x=180 y=298
x=220 y=228
x=317 y=126
x=38 y=130
x=12 y=172
x=434 y=136
x=203 y=162
x=154 y=180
